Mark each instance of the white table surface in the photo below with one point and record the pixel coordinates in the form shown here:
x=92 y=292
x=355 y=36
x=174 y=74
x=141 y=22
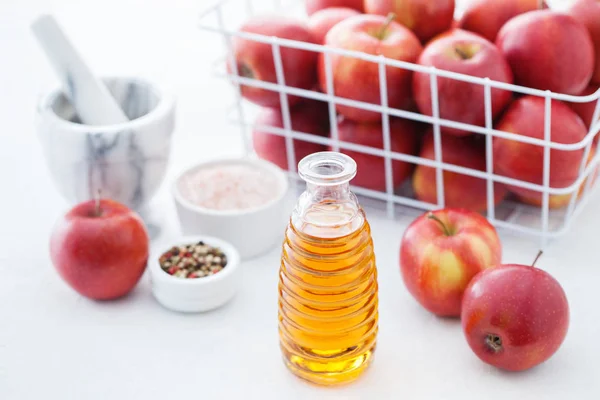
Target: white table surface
x=55 y=344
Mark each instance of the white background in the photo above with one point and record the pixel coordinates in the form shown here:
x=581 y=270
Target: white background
x=56 y=344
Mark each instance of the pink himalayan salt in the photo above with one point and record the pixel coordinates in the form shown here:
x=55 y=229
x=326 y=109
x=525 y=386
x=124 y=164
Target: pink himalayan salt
x=229 y=187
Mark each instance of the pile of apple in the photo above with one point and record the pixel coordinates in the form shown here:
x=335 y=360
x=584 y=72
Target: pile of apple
x=513 y=316
x=513 y=41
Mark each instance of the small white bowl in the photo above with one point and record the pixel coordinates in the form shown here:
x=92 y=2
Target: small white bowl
x=251 y=231
x=197 y=294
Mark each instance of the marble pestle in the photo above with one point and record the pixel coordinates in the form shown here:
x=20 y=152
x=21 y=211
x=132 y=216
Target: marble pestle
x=88 y=95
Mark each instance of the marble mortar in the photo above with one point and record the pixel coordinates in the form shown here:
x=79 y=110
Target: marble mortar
x=127 y=162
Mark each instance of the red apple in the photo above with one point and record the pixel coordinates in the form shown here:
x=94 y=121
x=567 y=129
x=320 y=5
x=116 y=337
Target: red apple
x=100 y=249
x=255 y=60
x=404 y=139
x=310 y=117
x=322 y=21
x=312 y=6
x=441 y=252
x=358 y=79
x=486 y=17
x=544 y=57
x=586 y=110
x=466 y=53
x=514 y=316
x=460 y=190
x=588 y=13
x=525 y=161
x=425 y=18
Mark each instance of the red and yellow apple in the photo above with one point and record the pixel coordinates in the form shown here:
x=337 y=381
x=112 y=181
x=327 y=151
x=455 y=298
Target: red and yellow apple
x=310 y=116
x=524 y=161
x=548 y=50
x=425 y=18
x=460 y=190
x=514 y=317
x=404 y=138
x=254 y=59
x=312 y=6
x=358 y=79
x=441 y=252
x=322 y=21
x=466 y=53
x=486 y=17
x=100 y=249
x=588 y=13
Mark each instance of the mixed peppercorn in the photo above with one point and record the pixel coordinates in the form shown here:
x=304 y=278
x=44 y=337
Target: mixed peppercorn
x=195 y=260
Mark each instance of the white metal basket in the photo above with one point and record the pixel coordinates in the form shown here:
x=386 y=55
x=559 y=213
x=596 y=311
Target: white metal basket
x=226 y=16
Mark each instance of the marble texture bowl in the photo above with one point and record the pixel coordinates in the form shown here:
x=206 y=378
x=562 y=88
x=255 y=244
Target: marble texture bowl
x=126 y=162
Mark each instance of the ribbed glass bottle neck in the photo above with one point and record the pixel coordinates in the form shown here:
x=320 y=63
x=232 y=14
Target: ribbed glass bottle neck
x=327 y=208
x=328 y=211
x=328 y=193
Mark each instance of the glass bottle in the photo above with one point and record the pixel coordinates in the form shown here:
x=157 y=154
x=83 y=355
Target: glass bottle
x=328 y=301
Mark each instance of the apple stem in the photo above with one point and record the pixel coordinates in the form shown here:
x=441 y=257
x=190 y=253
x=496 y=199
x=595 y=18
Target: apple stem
x=461 y=54
x=245 y=71
x=537 y=258
x=541 y=4
x=493 y=342
x=97 y=200
x=439 y=221
x=386 y=24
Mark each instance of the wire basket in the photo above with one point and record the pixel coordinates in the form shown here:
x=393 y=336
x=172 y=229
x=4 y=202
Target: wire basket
x=226 y=16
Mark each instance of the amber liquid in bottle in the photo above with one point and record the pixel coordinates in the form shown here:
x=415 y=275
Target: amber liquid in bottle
x=328 y=303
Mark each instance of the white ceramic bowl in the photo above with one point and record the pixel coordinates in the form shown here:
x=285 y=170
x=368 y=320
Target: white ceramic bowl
x=251 y=231
x=198 y=294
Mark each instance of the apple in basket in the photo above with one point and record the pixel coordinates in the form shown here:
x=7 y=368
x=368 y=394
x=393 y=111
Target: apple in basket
x=426 y=18
x=441 y=252
x=357 y=79
x=486 y=17
x=588 y=13
x=562 y=200
x=404 y=138
x=514 y=316
x=309 y=117
x=313 y=6
x=460 y=190
x=100 y=248
x=586 y=110
x=322 y=21
x=466 y=53
x=254 y=59
x=525 y=161
x=544 y=57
